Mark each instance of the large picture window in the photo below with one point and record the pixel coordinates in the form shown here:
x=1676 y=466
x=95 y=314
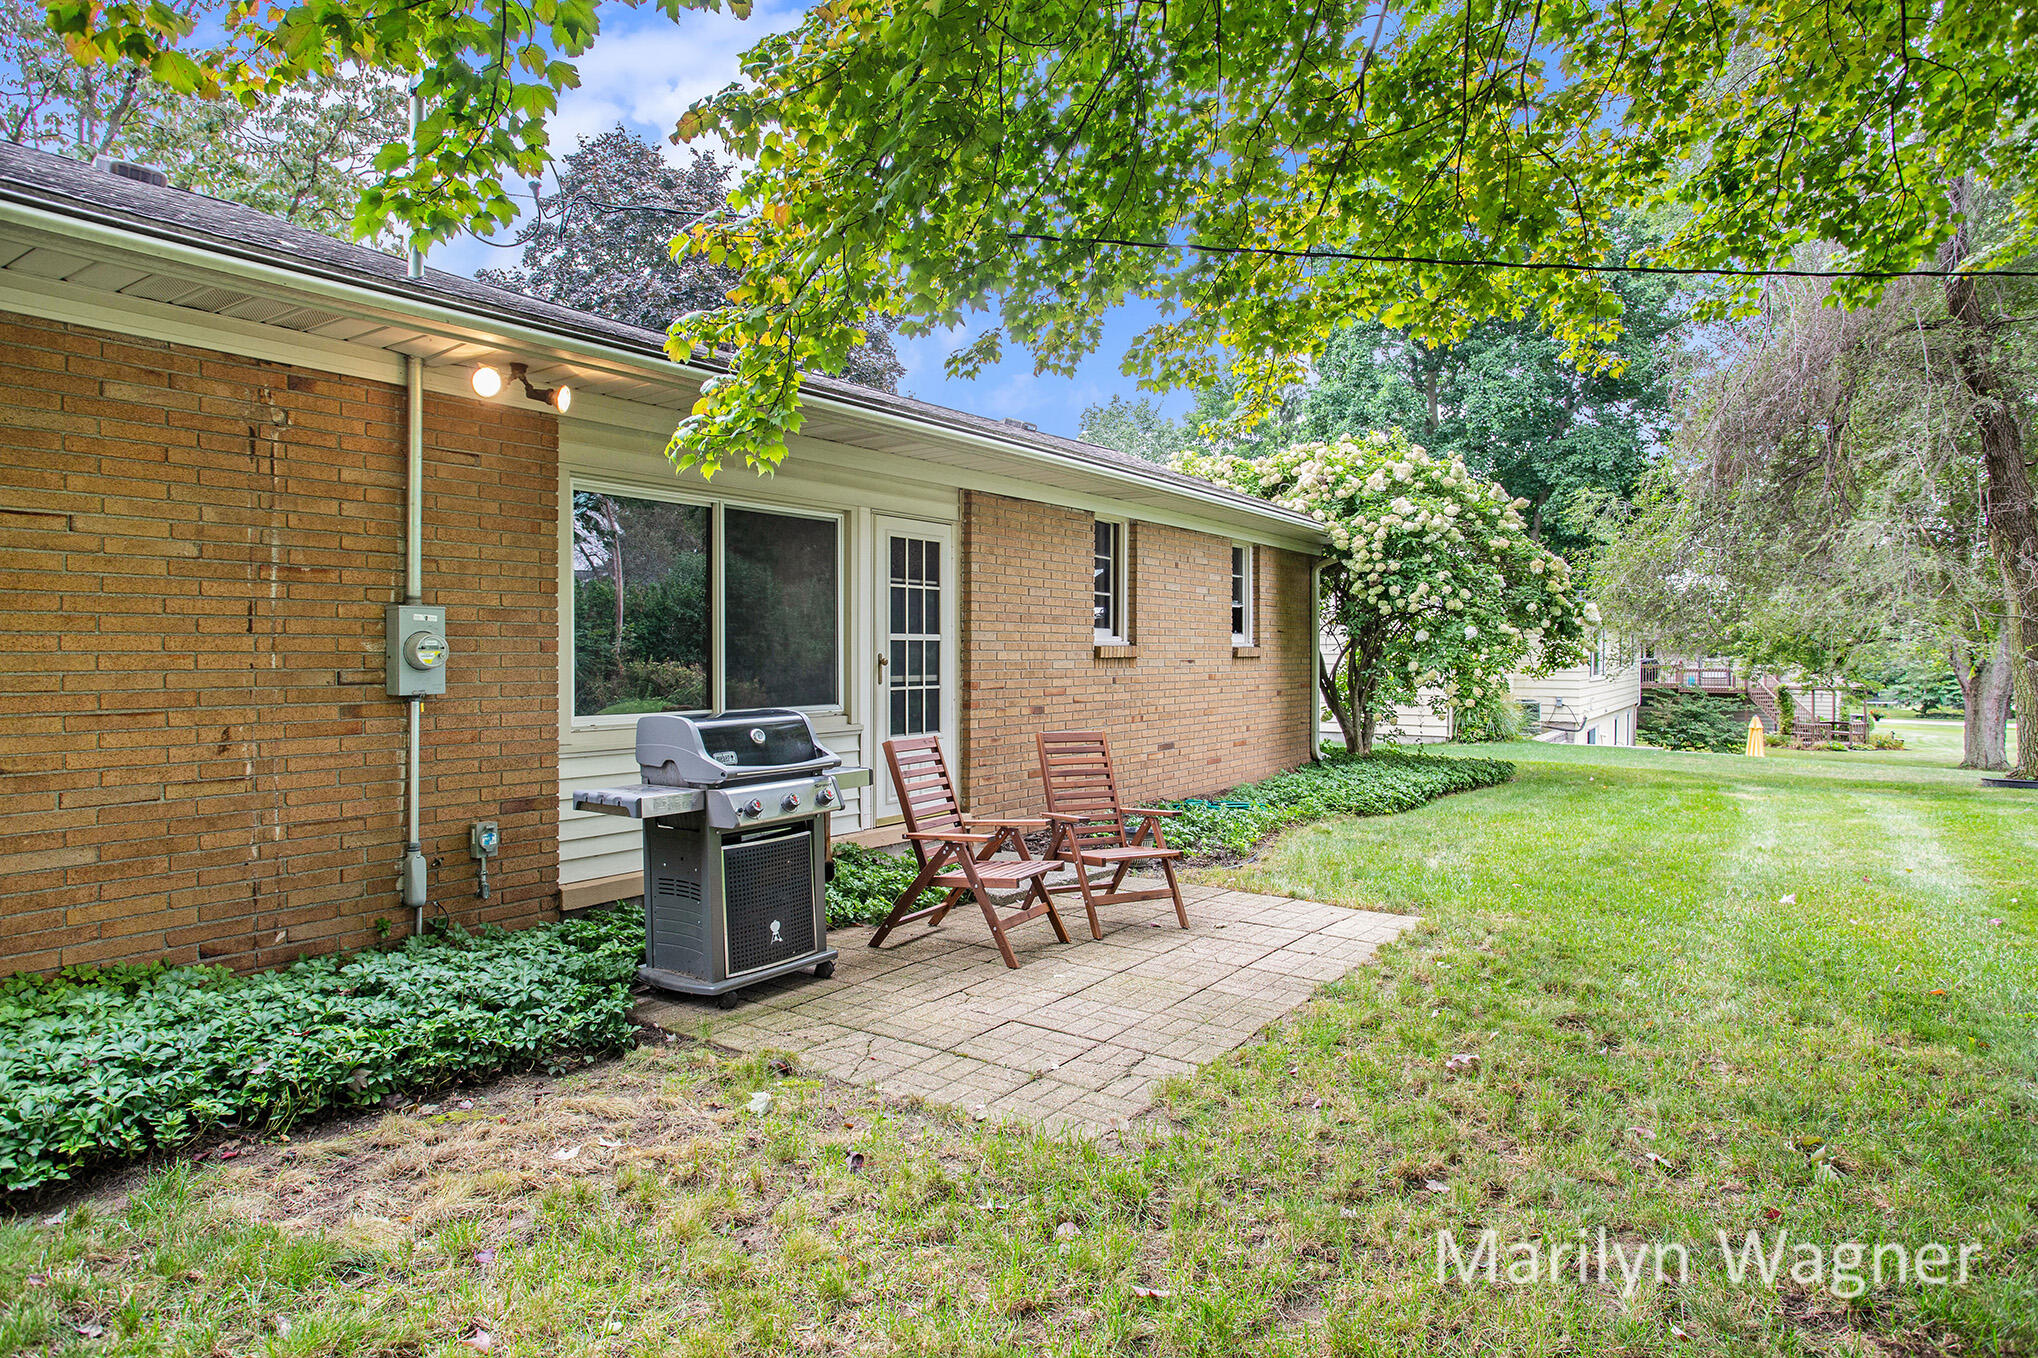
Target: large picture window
x=641 y=620
x=650 y=577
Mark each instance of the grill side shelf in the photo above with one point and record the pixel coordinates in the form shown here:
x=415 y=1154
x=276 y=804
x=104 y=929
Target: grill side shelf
x=643 y=801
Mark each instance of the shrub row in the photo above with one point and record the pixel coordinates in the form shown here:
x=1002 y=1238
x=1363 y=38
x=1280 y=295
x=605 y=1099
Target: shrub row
x=1379 y=784
x=118 y=1062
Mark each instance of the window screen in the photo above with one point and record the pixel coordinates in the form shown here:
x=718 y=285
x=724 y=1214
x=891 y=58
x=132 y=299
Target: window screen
x=781 y=593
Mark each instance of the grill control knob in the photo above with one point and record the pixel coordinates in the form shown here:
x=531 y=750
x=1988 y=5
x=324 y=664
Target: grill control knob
x=753 y=807
x=790 y=802
x=823 y=795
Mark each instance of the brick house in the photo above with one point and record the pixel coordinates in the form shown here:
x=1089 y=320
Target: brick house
x=204 y=505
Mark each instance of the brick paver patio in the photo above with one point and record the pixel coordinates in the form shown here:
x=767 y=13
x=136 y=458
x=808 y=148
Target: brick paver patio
x=1079 y=1035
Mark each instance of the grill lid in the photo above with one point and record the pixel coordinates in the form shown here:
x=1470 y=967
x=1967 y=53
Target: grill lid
x=739 y=746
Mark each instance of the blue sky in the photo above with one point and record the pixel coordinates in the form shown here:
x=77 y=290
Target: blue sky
x=645 y=70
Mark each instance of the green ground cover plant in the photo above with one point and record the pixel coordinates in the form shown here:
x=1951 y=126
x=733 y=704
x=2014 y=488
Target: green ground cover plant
x=1697 y=994
x=867 y=883
x=97 y=1064
x=1380 y=784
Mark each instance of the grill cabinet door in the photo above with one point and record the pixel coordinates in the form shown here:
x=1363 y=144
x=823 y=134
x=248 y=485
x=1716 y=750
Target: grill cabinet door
x=768 y=886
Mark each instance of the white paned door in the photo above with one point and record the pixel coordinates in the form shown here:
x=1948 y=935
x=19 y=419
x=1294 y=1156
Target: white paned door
x=915 y=662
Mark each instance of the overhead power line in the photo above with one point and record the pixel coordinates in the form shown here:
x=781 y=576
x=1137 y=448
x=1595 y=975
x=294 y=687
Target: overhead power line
x=1539 y=266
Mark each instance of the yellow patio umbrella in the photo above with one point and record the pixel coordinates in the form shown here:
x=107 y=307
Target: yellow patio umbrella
x=1758 y=743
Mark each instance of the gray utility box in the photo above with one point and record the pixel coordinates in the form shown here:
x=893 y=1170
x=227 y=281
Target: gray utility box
x=414 y=638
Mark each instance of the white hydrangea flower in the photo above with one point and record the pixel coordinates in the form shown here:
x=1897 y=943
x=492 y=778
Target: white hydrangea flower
x=1471 y=632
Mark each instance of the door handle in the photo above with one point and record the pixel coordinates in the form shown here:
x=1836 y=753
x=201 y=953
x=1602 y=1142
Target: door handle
x=883 y=660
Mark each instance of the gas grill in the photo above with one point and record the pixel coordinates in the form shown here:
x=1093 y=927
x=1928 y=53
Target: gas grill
x=735 y=809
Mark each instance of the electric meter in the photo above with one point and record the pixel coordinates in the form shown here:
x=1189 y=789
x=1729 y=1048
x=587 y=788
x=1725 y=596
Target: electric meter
x=416 y=653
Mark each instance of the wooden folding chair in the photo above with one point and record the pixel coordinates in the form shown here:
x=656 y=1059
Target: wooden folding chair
x=955 y=855
x=1089 y=824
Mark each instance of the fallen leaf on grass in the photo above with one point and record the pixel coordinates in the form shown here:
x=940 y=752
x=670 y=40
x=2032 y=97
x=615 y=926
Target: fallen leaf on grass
x=1155 y=1293
x=1461 y=1061
x=855 y=1162
x=1791 y=899
x=1935 y=992
x=56 y=1218
x=481 y=1341
x=484 y=1257
x=1067 y=1230
x=608 y=1143
x=1435 y=1186
x=1772 y=1213
x=1646 y=1133
x=36 y=1280
x=565 y=1153
x=91 y=1329
x=1655 y=1159
x=1677 y=1332
x=759 y=1101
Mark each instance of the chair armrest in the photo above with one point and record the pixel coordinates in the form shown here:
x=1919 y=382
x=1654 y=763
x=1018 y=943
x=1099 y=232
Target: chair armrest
x=1034 y=822
x=1150 y=811
x=1064 y=818
x=947 y=837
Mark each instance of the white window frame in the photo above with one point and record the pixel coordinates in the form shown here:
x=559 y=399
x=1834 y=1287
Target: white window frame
x=1248 y=577
x=1120 y=595
x=717 y=612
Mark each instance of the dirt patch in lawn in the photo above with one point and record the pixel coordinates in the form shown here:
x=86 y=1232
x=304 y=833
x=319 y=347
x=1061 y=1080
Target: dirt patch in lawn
x=487 y=1155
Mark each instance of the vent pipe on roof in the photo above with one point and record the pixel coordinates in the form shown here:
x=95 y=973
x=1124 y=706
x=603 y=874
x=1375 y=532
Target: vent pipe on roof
x=127 y=169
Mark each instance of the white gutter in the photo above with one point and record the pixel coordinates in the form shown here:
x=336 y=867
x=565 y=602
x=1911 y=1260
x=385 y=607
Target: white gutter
x=310 y=277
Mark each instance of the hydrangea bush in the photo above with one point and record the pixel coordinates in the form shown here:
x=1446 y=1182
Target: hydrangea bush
x=1434 y=589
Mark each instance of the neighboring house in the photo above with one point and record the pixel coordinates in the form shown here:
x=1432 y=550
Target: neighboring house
x=1595 y=703
x=206 y=461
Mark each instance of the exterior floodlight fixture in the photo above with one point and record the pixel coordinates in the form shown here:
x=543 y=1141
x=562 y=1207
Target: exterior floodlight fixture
x=487 y=381
x=560 y=398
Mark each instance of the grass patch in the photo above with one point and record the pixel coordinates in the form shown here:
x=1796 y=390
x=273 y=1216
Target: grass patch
x=1702 y=993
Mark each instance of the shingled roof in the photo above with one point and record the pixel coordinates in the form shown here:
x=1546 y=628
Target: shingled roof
x=73 y=188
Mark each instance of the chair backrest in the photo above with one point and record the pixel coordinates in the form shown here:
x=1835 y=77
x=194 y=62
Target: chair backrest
x=926 y=792
x=1075 y=772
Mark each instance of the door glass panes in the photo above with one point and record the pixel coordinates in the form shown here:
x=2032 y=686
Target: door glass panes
x=640 y=605
x=913 y=647
x=779 y=643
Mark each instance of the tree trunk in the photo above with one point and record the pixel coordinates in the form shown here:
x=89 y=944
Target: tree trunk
x=1361 y=699
x=1985 y=686
x=1326 y=679
x=2011 y=506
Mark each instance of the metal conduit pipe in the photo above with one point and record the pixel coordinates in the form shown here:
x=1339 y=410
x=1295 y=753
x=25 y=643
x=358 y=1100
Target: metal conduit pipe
x=415 y=886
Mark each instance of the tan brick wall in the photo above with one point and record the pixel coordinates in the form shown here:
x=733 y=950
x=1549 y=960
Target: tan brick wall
x=1185 y=716
x=197 y=757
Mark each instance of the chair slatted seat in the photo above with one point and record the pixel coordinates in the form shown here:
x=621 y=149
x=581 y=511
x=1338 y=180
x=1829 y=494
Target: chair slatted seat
x=1089 y=824
x=956 y=855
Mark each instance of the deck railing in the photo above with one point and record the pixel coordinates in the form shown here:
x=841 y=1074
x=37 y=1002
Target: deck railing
x=1677 y=675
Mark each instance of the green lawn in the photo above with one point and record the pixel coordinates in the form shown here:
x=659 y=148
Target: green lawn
x=1702 y=993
